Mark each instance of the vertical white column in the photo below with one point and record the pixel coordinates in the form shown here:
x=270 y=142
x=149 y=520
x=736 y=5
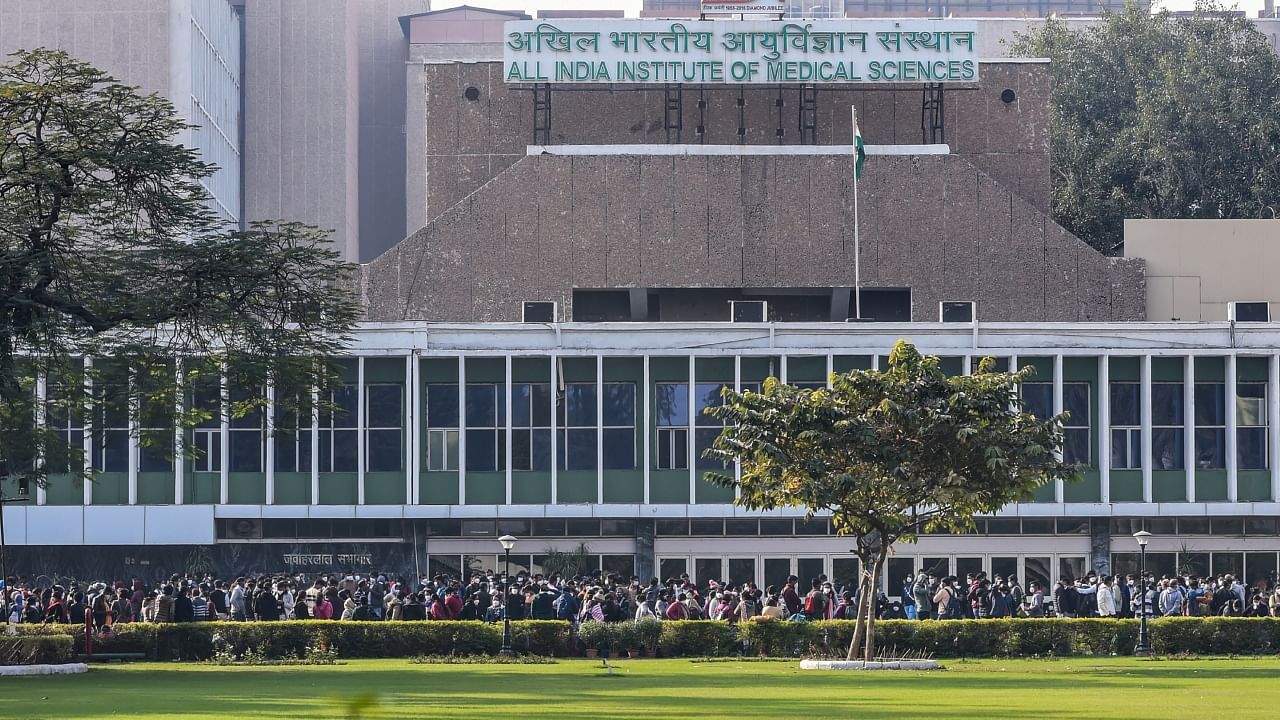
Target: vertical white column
x=462 y=430
x=875 y=362
x=412 y=429
x=1189 y=424
x=362 y=420
x=1273 y=423
x=646 y=432
x=42 y=419
x=966 y=368
x=135 y=409
x=87 y=408
x=1104 y=427
x=555 y=433
x=737 y=387
x=507 y=389
x=599 y=428
x=1145 y=412
x=1232 y=464
x=179 y=443
x=271 y=443
x=1057 y=410
x=782 y=371
x=315 y=446
x=831 y=368
x=224 y=432
x=692 y=446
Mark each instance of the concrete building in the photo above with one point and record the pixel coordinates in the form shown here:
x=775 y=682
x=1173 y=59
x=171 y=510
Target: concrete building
x=1197 y=268
x=642 y=212
x=188 y=51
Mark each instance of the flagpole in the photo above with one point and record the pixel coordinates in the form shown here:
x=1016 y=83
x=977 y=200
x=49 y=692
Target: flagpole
x=857 y=254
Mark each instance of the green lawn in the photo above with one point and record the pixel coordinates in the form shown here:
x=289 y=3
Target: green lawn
x=1084 y=688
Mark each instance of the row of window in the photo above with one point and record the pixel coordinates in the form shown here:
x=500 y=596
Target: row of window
x=591 y=429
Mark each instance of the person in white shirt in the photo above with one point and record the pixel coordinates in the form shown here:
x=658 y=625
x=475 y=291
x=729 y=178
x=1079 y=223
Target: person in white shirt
x=1106 y=598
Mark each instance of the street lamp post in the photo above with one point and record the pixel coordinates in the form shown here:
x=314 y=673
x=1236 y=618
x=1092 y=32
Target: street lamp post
x=508 y=542
x=1144 y=639
x=4 y=569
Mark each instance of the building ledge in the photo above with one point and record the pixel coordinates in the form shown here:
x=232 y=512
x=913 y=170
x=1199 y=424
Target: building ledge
x=732 y=150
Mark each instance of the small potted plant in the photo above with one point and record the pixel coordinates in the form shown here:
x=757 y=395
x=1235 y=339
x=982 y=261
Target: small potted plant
x=647 y=632
x=626 y=637
x=594 y=636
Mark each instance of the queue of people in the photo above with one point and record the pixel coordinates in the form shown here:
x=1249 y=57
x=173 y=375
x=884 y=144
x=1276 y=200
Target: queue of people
x=491 y=597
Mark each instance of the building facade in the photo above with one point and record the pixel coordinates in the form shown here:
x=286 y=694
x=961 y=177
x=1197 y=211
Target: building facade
x=634 y=216
x=591 y=434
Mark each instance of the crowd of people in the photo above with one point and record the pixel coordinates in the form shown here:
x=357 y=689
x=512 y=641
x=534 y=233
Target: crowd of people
x=491 y=597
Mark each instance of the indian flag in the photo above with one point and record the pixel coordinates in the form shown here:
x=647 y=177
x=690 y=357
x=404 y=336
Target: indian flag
x=859 y=149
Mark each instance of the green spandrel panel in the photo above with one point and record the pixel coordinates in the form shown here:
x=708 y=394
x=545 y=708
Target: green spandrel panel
x=438 y=488
x=246 y=488
x=384 y=488
x=1126 y=486
x=293 y=488
x=338 y=489
x=1168 y=486
x=486 y=488
x=576 y=486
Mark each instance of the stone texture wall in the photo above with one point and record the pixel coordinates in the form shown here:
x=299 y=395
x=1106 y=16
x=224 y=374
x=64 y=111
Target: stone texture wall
x=936 y=224
x=455 y=145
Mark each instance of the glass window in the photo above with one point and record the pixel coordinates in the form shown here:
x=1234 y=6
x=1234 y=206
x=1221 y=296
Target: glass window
x=775 y=527
x=1228 y=562
x=1037 y=399
x=624 y=566
x=548 y=528
x=815 y=526
x=776 y=571
x=671 y=527
x=1070 y=568
x=844 y=573
x=1193 y=526
x=1004 y=526
x=706 y=527
x=1261 y=525
x=1226 y=526
x=384 y=436
x=292 y=430
x=338 y=442
x=672 y=568
x=1037 y=526
x=1260 y=569
x=531 y=426
x=741 y=526
x=672 y=412
x=584 y=527
x=619 y=426
x=705 y=570
x=742 y=570
x=64 y=417
x=111 y=427
x=1251 y=426
x=618 y=528
x=486 y=427
x=1211 y=425
x=1126 y=435
x=1076 y=434
x=577 y=422
x=707 y=395
x=1073 y=526
x=1038 y=571
x=1166 y=426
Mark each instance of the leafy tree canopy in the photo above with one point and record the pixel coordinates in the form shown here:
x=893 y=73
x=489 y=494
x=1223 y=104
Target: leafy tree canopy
x=1160 y=116
x=109 y=250
x=889 y=453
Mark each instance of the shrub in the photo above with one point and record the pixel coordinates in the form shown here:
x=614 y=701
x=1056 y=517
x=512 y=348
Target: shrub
x=695 y=638
x=648 y=631
x=36 y=649
x=595 y=635
x=780 y=638
x=540 y=637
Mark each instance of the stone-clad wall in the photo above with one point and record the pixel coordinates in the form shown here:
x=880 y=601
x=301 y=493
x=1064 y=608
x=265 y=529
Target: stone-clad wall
x=455 y=145
x=937 y=224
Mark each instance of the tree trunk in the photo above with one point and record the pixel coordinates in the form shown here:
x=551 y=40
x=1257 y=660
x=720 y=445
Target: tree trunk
x=873 y=582
x=860 y=625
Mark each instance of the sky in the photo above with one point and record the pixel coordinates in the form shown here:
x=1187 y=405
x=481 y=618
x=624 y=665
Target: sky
x=632 y=7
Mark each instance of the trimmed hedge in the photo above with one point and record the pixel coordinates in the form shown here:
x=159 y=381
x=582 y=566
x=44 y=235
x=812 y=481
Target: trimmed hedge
x=687 y=638
x=36 y=649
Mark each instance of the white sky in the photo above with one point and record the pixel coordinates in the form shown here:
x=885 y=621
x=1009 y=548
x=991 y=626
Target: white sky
x=632 y=7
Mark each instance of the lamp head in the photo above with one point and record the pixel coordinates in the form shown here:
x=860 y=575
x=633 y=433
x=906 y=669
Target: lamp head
x=508 y=541
x=1143 y=537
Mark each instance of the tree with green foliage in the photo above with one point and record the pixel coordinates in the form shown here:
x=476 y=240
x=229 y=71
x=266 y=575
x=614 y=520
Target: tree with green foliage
x=109 y=251
x=1160 y=116
x=889 y=454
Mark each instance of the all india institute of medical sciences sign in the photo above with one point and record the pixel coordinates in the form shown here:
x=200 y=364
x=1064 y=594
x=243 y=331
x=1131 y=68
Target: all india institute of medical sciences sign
x=745 y=52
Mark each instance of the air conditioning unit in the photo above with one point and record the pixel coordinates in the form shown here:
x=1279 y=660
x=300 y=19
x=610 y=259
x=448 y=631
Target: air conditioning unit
x=538 y=311
x=745 y=311
x=956 y=311
x=1251 y=311
x=243 y=528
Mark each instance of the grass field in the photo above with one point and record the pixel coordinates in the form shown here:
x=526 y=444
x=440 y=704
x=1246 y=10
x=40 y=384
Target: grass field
x=1083 y=688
